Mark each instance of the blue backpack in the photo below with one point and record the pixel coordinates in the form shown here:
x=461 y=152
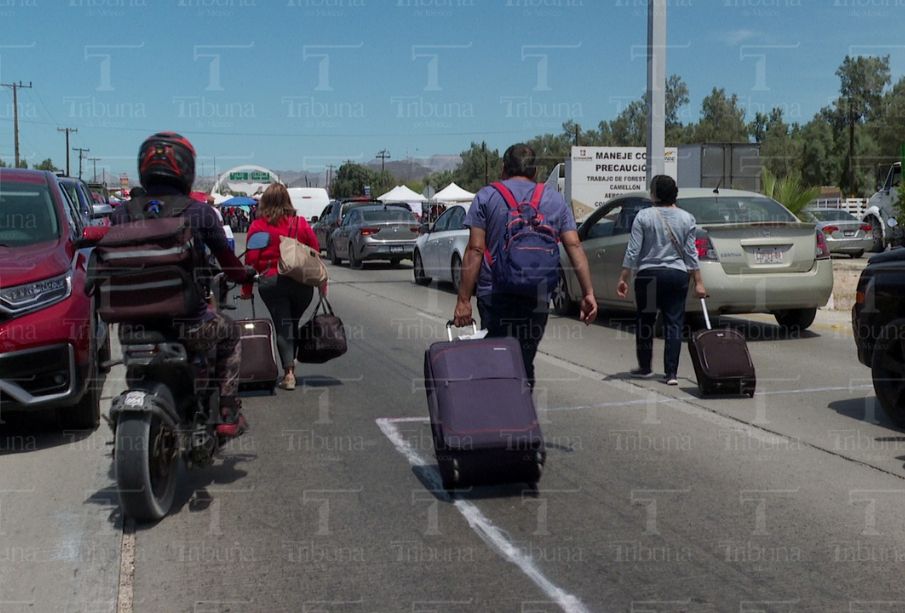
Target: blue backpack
x=527 y=260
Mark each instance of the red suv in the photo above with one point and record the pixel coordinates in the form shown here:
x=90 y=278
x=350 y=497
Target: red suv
x=52 y=344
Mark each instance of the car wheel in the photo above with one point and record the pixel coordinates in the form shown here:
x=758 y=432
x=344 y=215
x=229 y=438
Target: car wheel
x=877 y=231
x=888 y=371
x=455 y=271
x=331 y=253
x=354 y=262
x=795 y=320
x=561 y=301
x=857 y=255
x=105 y=353
x=418 y=268
x=86 y=414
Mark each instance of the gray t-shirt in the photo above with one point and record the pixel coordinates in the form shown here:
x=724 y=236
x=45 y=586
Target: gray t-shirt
x=651 y=246
x=489 y=212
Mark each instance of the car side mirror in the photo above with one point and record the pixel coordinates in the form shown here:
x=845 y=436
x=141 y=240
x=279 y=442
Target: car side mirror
x=91 y=236
x=427 y=228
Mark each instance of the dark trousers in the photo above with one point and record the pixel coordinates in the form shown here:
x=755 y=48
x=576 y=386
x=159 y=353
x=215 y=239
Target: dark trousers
x=662 y=289
x=286 y=300
x=520 y=317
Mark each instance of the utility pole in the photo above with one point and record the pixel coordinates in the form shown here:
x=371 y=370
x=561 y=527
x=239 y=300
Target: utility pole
x=330 y=168
x=82 y=153
x=94 y=160
x=15 y=87
x=577 y=133
x=383 y=156
x=486 y=170
x=67 y=131
x=656 y=88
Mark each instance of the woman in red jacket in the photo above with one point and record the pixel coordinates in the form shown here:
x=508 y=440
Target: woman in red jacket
x=285 y=299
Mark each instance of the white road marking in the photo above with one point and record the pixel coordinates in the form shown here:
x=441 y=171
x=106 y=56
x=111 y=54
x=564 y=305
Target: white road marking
x=481 y=524
x=125 y=593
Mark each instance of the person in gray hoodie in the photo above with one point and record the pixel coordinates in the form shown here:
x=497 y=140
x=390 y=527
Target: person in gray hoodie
x=663 y=256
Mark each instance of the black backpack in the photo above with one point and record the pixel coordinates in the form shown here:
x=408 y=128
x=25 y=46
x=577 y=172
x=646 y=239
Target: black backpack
x=144 y=269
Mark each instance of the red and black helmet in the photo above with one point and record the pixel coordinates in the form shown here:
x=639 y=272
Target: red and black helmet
x=167 y=157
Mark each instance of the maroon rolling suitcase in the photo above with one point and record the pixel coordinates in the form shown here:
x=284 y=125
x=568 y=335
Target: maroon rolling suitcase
x=483 y=421
x=258 y=369
x=722 y=363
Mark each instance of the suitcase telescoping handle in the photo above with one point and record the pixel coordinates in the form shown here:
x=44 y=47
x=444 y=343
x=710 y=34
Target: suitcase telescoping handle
x=706 y=315
x=450 y=325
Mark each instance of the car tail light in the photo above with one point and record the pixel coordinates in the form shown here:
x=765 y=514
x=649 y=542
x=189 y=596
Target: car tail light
x=823 y=251
x=827 y=230
x=859 y=297
x=866 y=227
x=369 y=231
x=415 y=229
x=704 y=247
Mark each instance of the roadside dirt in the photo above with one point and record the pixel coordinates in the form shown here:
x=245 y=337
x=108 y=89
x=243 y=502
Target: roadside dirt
x=846 y=272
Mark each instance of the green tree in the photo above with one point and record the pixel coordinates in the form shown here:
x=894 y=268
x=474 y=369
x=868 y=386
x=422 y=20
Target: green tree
x=820 y=160
x=780 y=149
x=888 y=127
x=480 y=165
x=789 y=191
x=862 y=80
x=46 y=165
x=351 y=179
x=2 y=163
x=22 y=164
x=722 y=119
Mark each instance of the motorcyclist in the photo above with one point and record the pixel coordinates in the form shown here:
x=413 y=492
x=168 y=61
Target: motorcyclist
x=166 y=167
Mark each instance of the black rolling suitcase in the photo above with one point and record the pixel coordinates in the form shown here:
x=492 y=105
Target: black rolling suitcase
x=483 y=421
x=259 y=369
x=722 y=363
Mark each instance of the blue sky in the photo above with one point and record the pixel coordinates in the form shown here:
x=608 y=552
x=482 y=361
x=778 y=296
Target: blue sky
x=299 y=84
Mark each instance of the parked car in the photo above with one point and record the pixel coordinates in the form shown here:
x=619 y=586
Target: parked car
x=441 y=247
x=100 y=192
x=384 y=232
x=878 y=323
x=755 y=256
x=844 y=232
x=332 y=217
x=80 y=195
x=52 y=344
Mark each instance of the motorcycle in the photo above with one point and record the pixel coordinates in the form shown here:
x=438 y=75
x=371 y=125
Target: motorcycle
x=168 y=414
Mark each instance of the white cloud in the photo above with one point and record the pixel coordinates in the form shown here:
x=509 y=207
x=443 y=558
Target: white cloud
x=737 y=37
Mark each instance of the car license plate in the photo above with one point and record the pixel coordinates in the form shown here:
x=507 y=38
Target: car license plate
x=849 y=233
x=397 y=249
x=768 y=256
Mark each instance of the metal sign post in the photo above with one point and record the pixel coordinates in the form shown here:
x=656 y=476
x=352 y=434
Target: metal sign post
x=656 y=87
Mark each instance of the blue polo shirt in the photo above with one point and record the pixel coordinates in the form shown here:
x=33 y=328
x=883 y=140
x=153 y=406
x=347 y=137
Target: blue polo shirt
x=489 y=212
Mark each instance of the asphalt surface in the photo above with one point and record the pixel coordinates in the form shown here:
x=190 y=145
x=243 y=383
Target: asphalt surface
x=653 y=499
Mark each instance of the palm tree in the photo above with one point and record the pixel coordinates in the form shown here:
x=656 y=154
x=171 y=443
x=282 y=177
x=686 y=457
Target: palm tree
x=789 y=191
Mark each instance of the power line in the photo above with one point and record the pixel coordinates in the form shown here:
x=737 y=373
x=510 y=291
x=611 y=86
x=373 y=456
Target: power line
x=15 y=87
x=383 y=155
x=67 y=131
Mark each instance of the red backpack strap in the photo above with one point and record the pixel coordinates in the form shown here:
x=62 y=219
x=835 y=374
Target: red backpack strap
x=536 y=196
x=506 y=194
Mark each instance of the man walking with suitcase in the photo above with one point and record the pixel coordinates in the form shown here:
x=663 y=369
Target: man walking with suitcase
x=513 y=256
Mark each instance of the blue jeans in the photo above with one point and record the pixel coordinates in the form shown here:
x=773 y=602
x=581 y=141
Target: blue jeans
x=521 y=317
x=663 y=289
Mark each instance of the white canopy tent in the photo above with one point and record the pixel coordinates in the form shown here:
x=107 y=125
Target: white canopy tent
x=401 y=193
x=452 y=193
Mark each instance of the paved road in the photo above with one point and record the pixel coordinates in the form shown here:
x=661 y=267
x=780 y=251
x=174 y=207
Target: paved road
x=653 y=498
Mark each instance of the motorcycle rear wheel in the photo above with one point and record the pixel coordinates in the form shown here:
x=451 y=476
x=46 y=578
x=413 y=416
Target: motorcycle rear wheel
x=146 y=464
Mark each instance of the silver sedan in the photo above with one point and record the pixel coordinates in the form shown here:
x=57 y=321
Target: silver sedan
x=440 y=248
x=844 y=232
x=385 y=232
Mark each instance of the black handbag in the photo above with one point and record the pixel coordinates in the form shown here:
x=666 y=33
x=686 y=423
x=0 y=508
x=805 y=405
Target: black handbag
x=323 y=337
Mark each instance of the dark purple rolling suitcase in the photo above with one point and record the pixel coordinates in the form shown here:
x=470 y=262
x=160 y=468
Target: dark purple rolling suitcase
x=483 y=421
x=258 y=369
x=722 y=363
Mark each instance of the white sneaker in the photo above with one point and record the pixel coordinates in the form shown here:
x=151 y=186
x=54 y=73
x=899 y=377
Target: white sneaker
x=288 y=382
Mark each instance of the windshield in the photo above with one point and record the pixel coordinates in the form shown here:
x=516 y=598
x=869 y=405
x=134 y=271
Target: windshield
x=736 y=209
x=388 y=215
x=27 y=215
x=824 y=215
